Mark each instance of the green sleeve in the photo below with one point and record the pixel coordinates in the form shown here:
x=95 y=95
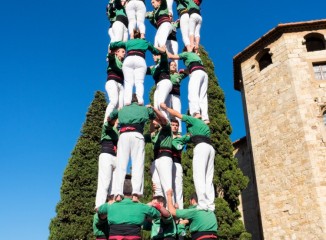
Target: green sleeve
x=103 y=209
x=186 y=213
x=153 y=49
x=152 y=212
x=179 y=143
x=118 y=44
x=151 y=113
x=188 y=119
x=183 y=55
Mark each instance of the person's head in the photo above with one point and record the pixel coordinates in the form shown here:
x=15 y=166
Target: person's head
x=110 y=198
x=174 y=125
x=173 y=67
x=127 y=187
x=156 y=58
x=120 y=53
x=136 y=33
x=156 y=3
x=160 y=200
x=134 y=98
x=193 y=199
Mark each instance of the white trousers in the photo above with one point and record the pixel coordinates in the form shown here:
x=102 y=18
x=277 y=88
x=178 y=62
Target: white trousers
x=203 y=172
x=177 y=183
x=130 y=144
x=115 y=92
x=119 y=32
x=105 y=177
x=195 y=21
x=173 y=47
x=197 y=93
x=161 y=170
x=134 y=71
x=161 y=95
x=110 y=33
x=176 y=105
x=170 y=6
x=184 y=27
x=136 y=11
x=162 y=34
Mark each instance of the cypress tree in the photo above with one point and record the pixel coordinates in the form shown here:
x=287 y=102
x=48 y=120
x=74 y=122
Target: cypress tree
x=229 y=180
x=76 y=208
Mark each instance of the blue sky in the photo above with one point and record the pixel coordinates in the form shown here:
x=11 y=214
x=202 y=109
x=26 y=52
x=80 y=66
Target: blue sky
x=52 y=60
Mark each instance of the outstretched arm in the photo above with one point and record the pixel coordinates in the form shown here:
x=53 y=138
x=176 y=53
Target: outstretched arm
x=171 y=208
x=173 y=56
x=161 y=49
x=160 y=116
x=171 y=111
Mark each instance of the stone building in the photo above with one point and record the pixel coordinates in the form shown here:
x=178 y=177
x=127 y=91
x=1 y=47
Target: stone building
x=282 y=80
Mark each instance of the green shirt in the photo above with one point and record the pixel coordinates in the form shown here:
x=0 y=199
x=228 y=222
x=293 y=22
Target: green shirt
x=190 y=57
x=191 y=4
x=196 y=126
x=135 y=114
x=178 y=143
x=115 y=64
x=163 y=227
x=181 y=229
x=163 y=138
x=161 y=10
x=100 y=227
x=176 y=78
x=109 y=132
x=119 y=9
x=128 y=212
x=181 y=5
x=162 y=66
x=135 y=44
x=200 y=220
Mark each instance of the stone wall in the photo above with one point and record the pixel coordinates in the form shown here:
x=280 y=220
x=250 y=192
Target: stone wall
x=287 y=137
x=249 y=203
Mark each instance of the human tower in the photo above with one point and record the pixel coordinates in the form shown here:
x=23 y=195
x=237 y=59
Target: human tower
x=119 y=212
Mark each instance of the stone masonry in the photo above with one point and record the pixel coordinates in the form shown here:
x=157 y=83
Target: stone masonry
x=286 y=135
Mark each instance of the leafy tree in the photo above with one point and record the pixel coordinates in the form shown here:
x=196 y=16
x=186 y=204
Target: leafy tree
x=76 y=207
x=229 y=180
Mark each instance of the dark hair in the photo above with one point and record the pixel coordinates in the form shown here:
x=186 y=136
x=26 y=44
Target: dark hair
x=174 y=120
x=160 y=199
x=127 y=187
x=136 y=33
x=134 y=98
x=193 y=196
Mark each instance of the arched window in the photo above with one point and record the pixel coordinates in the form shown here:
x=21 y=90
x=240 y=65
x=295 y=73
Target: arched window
x=264 y=59
x=315 y=42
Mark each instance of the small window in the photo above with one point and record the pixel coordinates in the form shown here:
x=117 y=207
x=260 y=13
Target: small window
x=324 y=118
x=315 y=42
x=320 y=71
x=265 y=60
